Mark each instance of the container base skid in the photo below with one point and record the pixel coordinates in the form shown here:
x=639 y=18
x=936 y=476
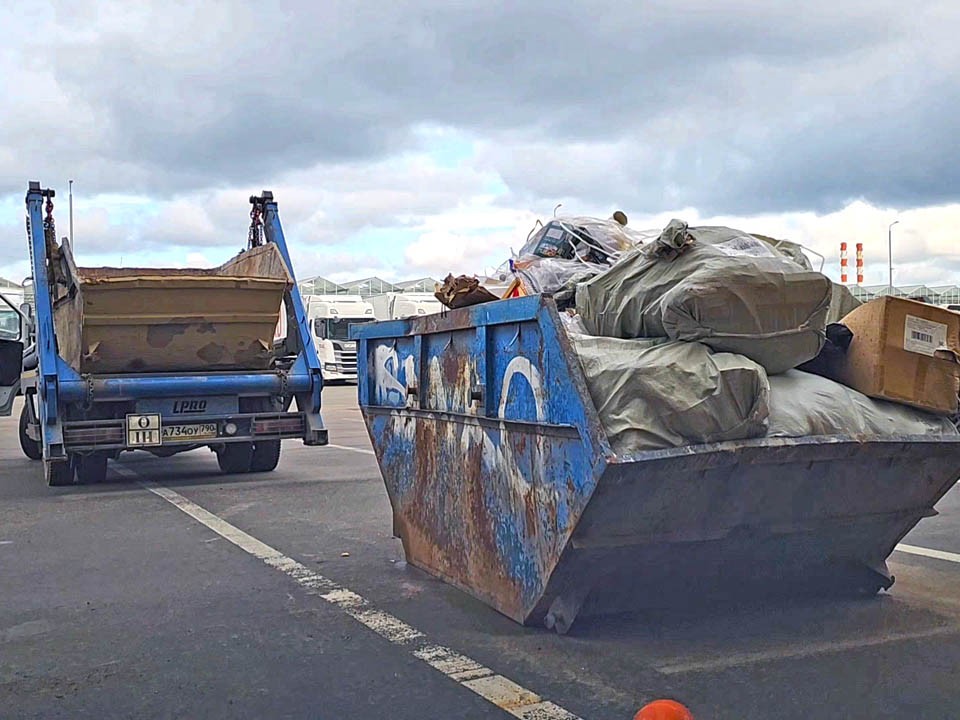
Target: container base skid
x=503 y=484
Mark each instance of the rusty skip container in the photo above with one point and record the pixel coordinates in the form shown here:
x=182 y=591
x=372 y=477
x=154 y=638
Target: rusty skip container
x=503 y=483
x=134 y=320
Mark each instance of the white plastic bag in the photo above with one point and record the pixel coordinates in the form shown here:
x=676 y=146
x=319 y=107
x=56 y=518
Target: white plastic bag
x=806 y=404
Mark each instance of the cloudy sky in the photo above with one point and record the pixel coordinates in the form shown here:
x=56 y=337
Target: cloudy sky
x=406 y=139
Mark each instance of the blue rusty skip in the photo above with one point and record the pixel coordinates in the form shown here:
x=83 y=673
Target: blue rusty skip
x=503 y=483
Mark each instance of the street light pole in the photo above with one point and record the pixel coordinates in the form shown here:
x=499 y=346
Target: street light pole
x=890 y=255
x=70 y=183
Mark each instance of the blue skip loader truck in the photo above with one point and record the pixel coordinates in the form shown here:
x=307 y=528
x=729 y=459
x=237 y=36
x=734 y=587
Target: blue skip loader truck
x=163 y=361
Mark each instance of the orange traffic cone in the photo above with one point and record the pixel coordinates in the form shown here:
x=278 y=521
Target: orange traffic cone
x=663 y=710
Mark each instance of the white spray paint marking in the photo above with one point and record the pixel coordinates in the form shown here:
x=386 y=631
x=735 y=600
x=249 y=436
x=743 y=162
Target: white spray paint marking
x=522 y=366
x=502 y=455
x=927 y=552
x=494 y=688
x=386 y=368
x=6 y=542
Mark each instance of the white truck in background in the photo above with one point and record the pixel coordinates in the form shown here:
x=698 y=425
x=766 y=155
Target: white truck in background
x=400 y=305
x=330 y=318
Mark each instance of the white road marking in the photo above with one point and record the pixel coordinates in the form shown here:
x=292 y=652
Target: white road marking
x=352 y=449
x=807 y=650
x=494 y=688
x=928 y=552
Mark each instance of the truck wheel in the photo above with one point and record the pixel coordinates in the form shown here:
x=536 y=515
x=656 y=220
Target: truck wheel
x=31 y=448
x=235 y=458
x=58 y=473
x=91 y=468
x=266 y=455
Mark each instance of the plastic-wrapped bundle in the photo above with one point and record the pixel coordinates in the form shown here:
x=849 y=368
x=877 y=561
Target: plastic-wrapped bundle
x=571 y=250
x=804 y=404
x=556 y=276
x=716 y=285
x=653 y=394
x=593 y=241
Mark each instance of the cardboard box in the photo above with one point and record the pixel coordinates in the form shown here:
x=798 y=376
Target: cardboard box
x=896 y=353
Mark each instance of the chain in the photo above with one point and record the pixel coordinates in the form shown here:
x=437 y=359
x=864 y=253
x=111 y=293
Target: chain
x=255 y=236
x=49 y=228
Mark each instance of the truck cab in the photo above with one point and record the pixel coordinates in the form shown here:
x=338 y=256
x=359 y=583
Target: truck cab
x=330 y=318
x=13 y=333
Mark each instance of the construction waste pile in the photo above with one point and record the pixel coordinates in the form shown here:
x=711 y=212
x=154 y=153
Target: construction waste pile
x=706 y=334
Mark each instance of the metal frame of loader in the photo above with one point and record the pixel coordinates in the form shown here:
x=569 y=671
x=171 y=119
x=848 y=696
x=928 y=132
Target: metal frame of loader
x=76 y=422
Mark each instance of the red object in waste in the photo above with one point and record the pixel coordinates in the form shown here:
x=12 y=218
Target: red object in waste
x=663 y=710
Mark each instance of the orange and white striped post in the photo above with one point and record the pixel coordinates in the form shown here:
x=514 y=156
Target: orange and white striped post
x=843 y=263
x=859 y=263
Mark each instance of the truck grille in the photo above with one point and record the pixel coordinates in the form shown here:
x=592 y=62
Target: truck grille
x=346 y=361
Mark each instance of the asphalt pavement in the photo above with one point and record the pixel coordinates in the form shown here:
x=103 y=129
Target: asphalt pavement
x=172 y=591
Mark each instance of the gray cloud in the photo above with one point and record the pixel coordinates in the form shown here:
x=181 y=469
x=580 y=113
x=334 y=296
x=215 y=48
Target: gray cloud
x=731 y=108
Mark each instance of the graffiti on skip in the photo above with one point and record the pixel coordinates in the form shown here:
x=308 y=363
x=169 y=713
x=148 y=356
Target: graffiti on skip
x=388 y=388
x=526 y=369
x=391 y=377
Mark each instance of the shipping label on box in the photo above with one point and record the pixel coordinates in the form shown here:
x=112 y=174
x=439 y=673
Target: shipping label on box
x=923 y=336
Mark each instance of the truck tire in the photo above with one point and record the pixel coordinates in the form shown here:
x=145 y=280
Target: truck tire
x=58 y=473
x=266 y=456
x=235 y=458
x=91 y=468
x=31 y=448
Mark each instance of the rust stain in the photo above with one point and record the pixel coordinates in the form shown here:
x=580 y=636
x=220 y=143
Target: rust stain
x=521 y=443
x=453 y=365
x=255 y=354
x=444 y=520
x=159 y=336
x=211 y=353
x=530 y=511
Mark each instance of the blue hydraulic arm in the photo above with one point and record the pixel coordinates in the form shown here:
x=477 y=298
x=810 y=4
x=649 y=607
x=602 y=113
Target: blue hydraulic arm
x=265 y=227
x=41 y=237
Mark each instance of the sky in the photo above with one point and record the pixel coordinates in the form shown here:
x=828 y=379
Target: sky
x=411 y=139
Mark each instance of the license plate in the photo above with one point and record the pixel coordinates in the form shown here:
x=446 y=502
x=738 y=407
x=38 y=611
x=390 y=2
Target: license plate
x=143 y=430
x=189 y=433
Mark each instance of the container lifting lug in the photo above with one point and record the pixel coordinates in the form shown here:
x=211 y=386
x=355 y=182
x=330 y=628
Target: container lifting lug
x=476 y=394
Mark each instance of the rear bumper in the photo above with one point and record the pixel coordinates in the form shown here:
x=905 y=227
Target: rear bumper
x=111 y=434
x=339 y=375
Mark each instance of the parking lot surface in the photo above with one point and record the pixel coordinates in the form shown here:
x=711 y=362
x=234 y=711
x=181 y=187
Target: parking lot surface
x=173 y=591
